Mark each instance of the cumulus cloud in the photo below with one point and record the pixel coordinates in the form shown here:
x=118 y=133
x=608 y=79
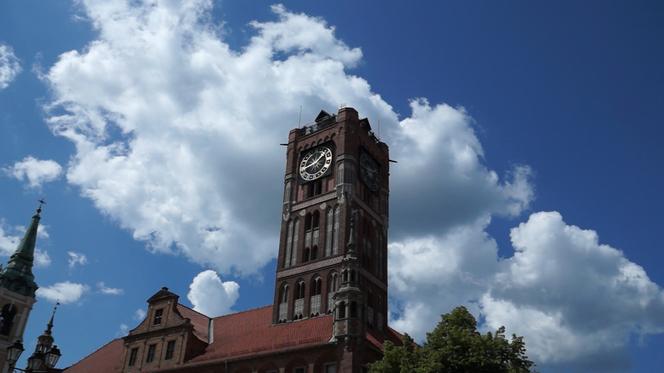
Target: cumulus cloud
x=63 y=292
x=139 y=315
x=176 y=138
x=10 y=241
x=211 y=296
x=177 y=175
x=102 y=288
x=569 y=295
x=35 y=171
x=9 y=65
x=76 y=259
x=42 y=259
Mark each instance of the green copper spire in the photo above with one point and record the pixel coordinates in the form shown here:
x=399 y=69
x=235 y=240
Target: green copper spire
x=17 y=276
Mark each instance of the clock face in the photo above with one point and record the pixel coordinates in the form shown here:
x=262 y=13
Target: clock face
x=369 y=171
x=315 y=163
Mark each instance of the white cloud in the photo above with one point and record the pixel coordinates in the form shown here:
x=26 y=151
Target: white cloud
x=101 y=286
x=139 y=315
x=76 y=259
x=42 y=259
x=211 y=296
x=194 y=116
x=63 y=292
x=9 y=65
x=8 y=242
x=177 y=177
x=34 y=171
x=569 y=295
x=124 y=330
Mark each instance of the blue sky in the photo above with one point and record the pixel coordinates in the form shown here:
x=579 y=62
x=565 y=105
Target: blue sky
x=532 y=127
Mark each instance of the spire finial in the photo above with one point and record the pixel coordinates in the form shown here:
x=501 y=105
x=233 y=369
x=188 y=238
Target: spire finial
x=42 y=202
x=49 y=326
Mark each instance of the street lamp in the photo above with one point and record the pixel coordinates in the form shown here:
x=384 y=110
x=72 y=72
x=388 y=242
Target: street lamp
x=14 y=352
x=35 y=361
x=52 y=356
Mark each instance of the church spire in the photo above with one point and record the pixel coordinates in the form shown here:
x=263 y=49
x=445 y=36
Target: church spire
x=17 y=276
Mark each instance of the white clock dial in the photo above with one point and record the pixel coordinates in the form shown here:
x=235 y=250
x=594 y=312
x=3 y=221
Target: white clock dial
x=315 y=163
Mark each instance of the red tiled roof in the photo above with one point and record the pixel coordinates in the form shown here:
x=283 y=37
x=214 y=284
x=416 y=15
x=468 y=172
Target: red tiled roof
x=198 y=320
x=252 y=332
x=235 y=335
x=107 y=359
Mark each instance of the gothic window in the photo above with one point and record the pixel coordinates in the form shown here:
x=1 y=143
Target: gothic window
x=296 y=236
x=370 y=309
x=314 y=188
x=289 y=244
x=158 y=314
x=7 y=315
x=314 y=299
x=133 y=354
x=311 y=235
x=329 y=223
x=332 y=286
x=283 y=303
x=150 y=356
x=341 y=311
x=335 y=232
x=298 y=312
x=170 y=349
x=353 y=309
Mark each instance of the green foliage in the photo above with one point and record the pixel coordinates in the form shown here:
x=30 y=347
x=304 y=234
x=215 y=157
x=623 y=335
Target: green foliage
x=455 y=346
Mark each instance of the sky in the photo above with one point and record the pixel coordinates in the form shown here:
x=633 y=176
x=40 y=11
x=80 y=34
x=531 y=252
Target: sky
x=526 y=133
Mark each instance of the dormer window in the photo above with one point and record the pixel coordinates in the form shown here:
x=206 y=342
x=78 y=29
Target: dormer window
x=158 y=314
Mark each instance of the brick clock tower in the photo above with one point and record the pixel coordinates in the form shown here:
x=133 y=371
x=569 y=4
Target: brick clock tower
x=333 y=246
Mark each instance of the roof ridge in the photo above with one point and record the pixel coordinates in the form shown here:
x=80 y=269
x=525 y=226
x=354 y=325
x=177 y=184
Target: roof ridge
x=245 y=311
x=94 y=352
x=191 y=309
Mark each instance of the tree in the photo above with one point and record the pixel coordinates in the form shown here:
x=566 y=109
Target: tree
x=455 y=346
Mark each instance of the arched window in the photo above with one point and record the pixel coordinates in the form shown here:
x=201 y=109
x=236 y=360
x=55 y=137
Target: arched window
x=283 y=303
x=311 y=235
x=289 y=244
x=7 y=315
x=296 y=236
x=298 y=312
x=335 y=231
x=314 y=299
x=341 y=311
x=332 y=287
x=353 y=309
x=329 y=223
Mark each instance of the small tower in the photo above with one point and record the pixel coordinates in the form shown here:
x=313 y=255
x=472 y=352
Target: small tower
x=349 y=327
x=17 y=290
x=46 y=354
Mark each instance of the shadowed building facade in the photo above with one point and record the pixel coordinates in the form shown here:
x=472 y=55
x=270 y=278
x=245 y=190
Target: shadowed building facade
x=329 y=312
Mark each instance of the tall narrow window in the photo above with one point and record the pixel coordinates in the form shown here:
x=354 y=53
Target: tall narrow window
x=289 y=244
x=335 y=232
x=329 y=223
x=314 y=299
x=133 y=354
x=7 y=318
x=332 y=286
x=283 y=303
x=150 y=356
x=298 y=312
x=341 y=312
x=311 y=235
x=158 y=314
x=170 y=349
x=353 y=309
x=296 y=236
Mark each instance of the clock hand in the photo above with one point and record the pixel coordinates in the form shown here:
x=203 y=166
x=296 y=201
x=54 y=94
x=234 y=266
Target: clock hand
x=314 y=162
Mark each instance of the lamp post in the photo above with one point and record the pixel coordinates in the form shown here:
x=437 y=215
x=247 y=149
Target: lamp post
x=37 y=362
x=13 y=353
